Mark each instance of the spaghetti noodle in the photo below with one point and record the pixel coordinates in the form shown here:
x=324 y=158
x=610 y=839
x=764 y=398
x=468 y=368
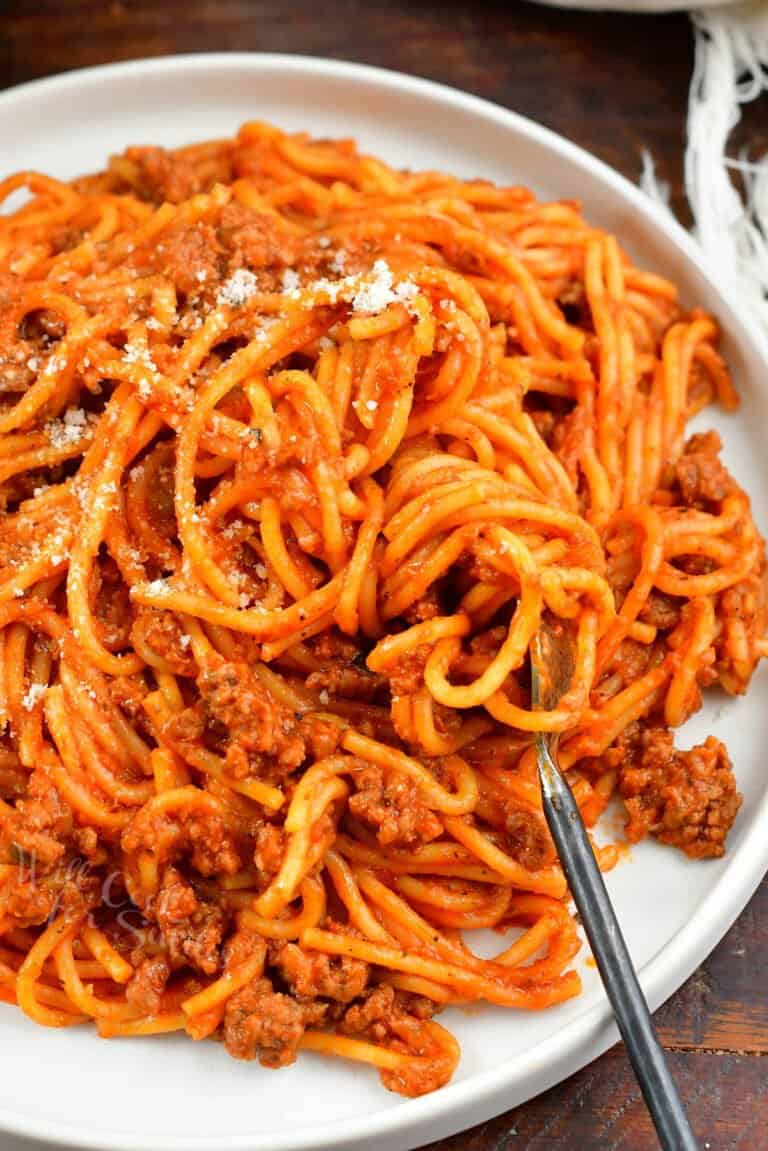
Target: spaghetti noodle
x=296 y=452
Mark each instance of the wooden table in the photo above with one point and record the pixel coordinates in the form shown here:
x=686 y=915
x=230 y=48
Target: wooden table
x=615 y=84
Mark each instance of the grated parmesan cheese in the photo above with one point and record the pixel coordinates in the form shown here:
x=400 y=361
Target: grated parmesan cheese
x=375 y=295
x=406 y=291
x=158 y=587
x=133 y=354
x=266 y=323
x=238 y=289
x=290 y=283
x=34 y=694
x=369 y=292
x=69 y=430
x=331 y=288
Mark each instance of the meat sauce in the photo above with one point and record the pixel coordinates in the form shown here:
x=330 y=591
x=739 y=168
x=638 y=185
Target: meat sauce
x=226 y=721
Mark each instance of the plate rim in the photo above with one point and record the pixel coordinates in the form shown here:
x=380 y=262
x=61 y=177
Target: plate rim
x=462 y=1104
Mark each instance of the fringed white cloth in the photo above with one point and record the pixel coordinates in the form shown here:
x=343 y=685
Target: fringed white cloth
x=728 y=194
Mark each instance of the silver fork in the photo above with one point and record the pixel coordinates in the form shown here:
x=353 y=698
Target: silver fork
x=551 y=670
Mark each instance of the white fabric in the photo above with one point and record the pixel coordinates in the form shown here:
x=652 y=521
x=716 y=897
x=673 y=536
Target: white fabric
x=730 y=69
x=728 y=194
x=634 y=5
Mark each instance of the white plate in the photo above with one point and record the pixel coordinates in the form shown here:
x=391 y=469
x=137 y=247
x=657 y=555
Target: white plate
x=174 y=1095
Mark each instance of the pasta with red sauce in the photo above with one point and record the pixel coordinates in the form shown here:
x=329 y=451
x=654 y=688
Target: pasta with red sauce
x=296 y=453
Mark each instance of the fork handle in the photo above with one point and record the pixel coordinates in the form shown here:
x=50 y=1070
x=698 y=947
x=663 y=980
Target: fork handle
x=612 y=957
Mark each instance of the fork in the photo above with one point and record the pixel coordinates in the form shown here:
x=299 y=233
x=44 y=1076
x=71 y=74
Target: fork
x=551 y=669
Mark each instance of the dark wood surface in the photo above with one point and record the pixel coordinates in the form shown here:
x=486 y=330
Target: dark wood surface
x=616 y=85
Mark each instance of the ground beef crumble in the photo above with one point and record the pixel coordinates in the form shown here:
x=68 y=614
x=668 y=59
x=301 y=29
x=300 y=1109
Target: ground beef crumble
x=661 y=610
x=262 y=734
x=40 y=824
x=740 y=609
x=322 y=736
x=702 y=478
x=348 y=681
x=426 y=606
x=255 y=239
x=145 y=989
x=311 y=973
x=264 y=1023
x=527 y=838
x=684 y=798
x=191 y=258
x=369 y=1016
x=200 y=836
x=407 y=675
x=192 y=930
x=162 y=633
x=390 y=802
x=269 y=850
x=396 y=1019
x=157 y=175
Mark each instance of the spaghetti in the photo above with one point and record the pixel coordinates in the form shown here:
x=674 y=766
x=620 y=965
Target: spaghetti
x=296 y=453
